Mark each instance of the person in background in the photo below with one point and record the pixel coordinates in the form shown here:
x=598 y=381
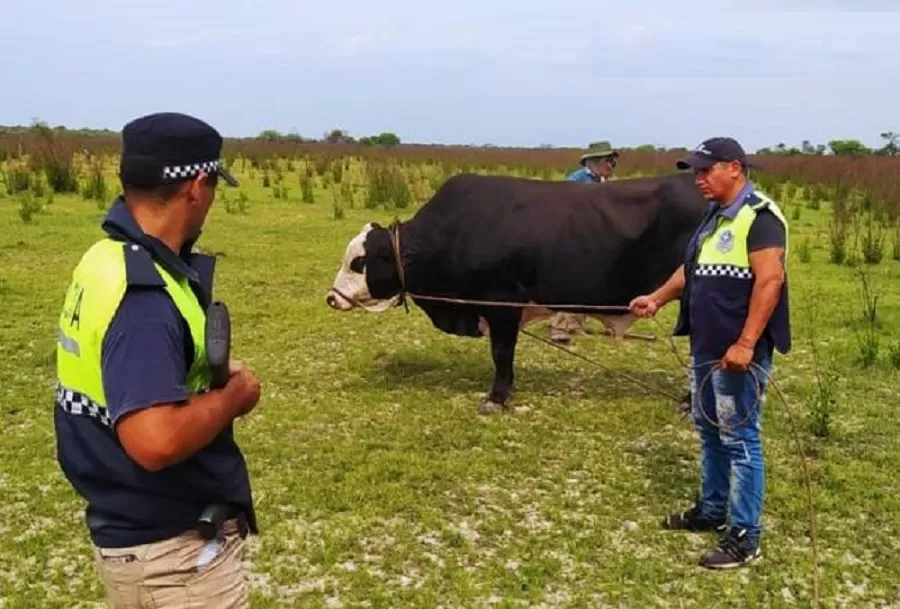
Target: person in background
x=597 y=166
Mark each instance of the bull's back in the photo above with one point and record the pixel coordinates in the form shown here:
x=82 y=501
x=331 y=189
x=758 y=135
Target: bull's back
x=512 y=208
x=506 y=194
x=560 y=240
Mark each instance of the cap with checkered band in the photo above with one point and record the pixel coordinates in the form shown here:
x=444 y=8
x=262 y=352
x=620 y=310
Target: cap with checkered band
x=167 y=147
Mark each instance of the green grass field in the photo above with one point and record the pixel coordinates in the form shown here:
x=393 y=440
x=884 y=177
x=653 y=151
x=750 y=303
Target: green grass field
x=379 y=485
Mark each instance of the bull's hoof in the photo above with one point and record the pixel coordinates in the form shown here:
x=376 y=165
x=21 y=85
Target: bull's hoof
x=490 y=407
x=684 y=408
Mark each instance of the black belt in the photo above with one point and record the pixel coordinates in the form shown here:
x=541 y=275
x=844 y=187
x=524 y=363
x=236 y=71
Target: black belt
x=213 y=517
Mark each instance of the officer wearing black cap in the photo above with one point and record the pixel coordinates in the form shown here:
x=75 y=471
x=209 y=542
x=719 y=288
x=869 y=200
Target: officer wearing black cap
x=733 y=293
x=140 y=434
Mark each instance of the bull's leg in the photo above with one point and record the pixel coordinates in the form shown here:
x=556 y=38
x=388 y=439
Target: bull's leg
x=504 y=326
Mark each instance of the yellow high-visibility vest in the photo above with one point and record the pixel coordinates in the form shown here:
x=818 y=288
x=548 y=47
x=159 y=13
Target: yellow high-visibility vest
x=98 y=283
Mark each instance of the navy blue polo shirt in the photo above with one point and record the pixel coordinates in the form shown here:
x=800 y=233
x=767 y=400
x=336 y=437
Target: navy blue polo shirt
x=146 y=355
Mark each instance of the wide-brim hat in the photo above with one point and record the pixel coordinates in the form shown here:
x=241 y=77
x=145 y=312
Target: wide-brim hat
x=598 y=152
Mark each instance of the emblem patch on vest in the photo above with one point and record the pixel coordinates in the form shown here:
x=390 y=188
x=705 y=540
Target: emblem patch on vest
x=725 y=242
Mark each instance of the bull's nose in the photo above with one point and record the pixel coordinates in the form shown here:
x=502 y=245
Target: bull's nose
x=331 y=301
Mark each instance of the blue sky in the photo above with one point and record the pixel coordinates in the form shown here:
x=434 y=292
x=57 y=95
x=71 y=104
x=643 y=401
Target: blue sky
x=521 y=73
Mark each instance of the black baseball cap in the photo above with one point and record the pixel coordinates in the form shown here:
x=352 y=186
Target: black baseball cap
x=712 y=151
x=168 y=147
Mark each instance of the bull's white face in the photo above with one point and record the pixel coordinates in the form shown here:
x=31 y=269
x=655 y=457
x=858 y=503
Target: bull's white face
x=350 y=287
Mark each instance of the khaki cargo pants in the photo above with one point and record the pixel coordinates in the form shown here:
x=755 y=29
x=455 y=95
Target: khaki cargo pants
x=564 y=325
x=186 y=572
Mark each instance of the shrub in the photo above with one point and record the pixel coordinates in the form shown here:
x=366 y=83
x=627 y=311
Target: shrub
x=18 y=179
x=868 y=338
x=387 y=186
x=803 y=251
x=306 y=188
x=95 y=187
x=837 y=239
x=29 y=207
x=873 y=240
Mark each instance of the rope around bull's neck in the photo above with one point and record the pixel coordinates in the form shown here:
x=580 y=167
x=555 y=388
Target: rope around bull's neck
x=394 y=230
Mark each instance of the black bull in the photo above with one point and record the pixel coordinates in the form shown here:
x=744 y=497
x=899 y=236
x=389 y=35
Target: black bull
x=498 y=238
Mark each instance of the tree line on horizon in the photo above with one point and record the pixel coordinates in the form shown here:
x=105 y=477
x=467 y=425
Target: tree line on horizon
x=838 y=147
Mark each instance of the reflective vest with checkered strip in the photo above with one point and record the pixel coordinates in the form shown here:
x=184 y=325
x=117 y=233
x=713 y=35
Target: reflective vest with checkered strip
x=722 y=282
x=724 y=251
x=97 y=286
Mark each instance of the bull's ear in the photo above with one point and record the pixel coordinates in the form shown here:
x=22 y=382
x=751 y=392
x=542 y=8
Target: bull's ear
x=375 y=225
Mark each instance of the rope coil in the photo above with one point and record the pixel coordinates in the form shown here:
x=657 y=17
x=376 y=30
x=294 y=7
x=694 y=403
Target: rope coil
x=715 y=366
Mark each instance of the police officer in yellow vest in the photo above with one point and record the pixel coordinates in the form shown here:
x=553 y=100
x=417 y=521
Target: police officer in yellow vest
x=139 y=434
x=734 y=305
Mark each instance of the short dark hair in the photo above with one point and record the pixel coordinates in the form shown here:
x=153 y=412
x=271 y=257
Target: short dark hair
x=165 y=191
x=161 y=191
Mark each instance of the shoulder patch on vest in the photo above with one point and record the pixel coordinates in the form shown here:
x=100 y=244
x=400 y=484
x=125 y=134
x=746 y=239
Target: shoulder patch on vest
x=139 y=267
x=758 y=201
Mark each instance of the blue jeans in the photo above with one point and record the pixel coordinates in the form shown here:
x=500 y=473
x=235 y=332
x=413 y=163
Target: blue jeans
x=732 y=471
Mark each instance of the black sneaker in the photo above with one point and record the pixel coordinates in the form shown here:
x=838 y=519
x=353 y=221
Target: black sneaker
x=693 y=520
x=734 y=550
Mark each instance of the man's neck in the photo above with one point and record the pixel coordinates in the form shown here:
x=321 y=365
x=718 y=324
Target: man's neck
x=154 y=221
x=731 y=198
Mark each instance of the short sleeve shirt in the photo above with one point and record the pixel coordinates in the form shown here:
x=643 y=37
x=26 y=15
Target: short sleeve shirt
x=766 y=231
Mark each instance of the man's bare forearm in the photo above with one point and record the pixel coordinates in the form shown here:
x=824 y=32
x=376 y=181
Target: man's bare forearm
x=671 y=289
x=763 y=300
x=768 y=268
x=167 y=434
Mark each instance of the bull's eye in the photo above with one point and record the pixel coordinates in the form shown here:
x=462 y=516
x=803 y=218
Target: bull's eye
x=358 y=264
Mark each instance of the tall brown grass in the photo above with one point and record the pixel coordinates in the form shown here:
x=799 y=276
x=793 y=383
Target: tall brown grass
x=826 y=178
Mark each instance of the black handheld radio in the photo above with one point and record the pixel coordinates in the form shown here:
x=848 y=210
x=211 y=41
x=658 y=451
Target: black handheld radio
x=218 y=343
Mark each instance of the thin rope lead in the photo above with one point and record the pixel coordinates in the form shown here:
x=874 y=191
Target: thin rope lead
x=771 y=382
x=697 y=404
